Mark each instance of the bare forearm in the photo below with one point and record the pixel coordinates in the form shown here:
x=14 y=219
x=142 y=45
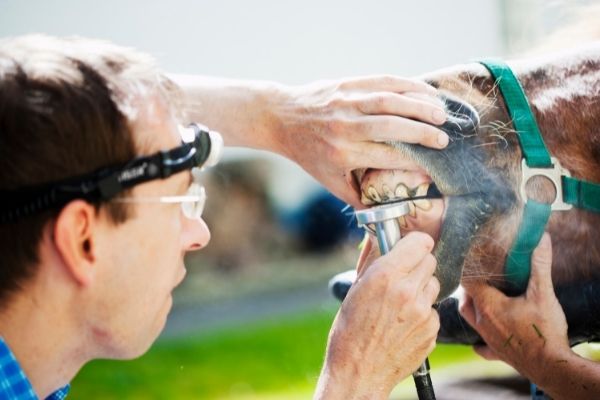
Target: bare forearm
x=571 y=377
x=239 y=110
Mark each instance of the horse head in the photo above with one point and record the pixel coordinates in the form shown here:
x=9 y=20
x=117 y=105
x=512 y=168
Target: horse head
x=479 y=174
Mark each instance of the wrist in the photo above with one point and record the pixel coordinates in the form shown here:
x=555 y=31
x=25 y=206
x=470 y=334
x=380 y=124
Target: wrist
x=549 y=373
x=348 y=384
x=257 y=122
x=242 y=111
x=250 y=114
x=288 y=115
x=273 y=102
x=346 y=375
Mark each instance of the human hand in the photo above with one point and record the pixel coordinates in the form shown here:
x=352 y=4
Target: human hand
x=386 y=325
x=331 y=128
x=526 y=331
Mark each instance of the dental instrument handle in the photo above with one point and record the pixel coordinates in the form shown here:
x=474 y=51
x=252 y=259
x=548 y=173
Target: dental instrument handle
x=383 y=220
x=423 y=382
x=388 y=234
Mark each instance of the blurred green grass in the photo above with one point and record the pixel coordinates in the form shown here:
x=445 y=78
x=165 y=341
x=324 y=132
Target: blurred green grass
x=272 y=359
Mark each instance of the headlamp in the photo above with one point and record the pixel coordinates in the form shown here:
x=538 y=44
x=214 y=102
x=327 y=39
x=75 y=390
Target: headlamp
x=105 y=183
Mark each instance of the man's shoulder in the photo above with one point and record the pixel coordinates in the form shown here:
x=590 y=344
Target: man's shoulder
x=14 y=384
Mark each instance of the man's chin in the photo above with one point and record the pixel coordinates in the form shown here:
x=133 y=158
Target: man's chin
x=138 y=344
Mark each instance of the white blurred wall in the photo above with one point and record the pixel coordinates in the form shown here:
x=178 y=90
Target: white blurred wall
x=289 y=41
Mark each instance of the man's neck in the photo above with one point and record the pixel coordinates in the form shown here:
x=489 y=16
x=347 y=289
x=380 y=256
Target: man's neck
x=46 y=346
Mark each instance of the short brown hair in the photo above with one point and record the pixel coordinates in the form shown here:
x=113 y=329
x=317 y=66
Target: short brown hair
x=66 y=107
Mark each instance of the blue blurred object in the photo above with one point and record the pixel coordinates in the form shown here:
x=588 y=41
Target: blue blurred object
x=322 y=222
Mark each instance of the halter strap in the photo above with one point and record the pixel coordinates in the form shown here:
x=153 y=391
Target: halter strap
x=581 y=194
x=537 y=161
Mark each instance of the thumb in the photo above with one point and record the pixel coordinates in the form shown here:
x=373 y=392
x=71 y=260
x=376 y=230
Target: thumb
x=541 y=268
x=368 y=254
x=349 y=190
x=482 y=300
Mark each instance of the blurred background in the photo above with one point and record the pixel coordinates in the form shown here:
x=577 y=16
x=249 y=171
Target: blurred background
x=252 y=317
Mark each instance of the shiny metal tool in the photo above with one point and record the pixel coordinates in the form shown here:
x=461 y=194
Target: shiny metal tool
x=382 y=221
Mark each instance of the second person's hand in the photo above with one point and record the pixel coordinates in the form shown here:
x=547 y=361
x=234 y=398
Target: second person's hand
x=386 y=325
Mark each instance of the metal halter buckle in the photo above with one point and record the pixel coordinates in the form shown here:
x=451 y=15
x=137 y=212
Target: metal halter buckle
x=553 y=173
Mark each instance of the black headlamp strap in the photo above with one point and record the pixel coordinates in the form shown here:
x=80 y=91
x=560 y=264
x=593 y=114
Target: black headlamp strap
x=107 y=182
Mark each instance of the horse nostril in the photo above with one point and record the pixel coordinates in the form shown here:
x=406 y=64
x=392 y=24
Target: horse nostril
x=462 y=117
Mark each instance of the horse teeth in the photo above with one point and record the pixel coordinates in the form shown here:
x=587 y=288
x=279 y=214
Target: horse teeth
x=366 y=201
x=403 y=223
x=387 y=193
x=424 y=204
x=412 y=209
x=401 y=191
x=422 y=190
x=373 y=194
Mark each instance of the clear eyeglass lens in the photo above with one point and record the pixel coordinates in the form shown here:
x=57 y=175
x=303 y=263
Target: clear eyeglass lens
x=193 y=209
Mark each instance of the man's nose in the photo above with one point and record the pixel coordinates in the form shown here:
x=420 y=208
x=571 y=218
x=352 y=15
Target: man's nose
x=196 y=234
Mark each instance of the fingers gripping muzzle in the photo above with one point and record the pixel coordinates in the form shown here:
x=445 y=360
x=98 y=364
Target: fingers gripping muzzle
x=105 y=183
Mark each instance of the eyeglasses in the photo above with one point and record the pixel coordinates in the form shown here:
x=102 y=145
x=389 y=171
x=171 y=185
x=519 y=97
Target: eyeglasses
x=107 y=182
x=192 y=203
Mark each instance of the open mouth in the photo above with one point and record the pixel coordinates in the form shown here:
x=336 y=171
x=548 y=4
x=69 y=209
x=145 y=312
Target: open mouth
x=426 y=204
x=451 y=192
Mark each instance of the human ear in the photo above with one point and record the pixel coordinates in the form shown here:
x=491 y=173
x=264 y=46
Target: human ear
x=74 y=239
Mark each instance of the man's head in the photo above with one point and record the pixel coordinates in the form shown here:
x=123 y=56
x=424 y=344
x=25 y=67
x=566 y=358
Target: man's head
x=69 y=107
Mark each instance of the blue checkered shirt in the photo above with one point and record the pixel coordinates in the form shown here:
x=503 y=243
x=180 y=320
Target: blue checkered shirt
x=14 y=385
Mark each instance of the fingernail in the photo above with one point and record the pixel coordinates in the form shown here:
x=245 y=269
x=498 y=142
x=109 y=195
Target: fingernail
x=439 y=116
x=442 y=139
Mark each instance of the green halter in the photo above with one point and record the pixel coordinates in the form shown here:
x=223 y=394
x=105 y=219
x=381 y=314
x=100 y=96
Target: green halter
x=537 y=161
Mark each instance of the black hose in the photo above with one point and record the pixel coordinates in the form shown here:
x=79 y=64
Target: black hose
x=423 y=382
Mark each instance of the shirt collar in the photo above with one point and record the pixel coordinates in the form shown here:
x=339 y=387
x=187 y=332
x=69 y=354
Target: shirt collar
x=14 y=384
